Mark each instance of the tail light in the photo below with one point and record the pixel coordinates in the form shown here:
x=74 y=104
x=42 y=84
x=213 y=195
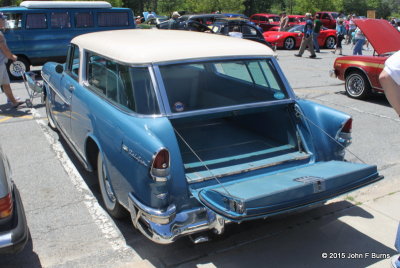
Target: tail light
x=160 y=166
x=344 y=137
x=6 y=206
x=348 y=126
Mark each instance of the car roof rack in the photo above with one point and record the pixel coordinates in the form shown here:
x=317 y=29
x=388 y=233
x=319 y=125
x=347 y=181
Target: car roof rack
x=65 y=4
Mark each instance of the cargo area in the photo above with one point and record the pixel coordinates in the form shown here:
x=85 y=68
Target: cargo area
x=235 y=143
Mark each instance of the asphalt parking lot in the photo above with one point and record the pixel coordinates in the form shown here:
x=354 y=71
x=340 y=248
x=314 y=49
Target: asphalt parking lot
x=69 y=227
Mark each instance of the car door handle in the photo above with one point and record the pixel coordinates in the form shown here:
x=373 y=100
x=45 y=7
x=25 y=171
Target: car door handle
x=71 y=88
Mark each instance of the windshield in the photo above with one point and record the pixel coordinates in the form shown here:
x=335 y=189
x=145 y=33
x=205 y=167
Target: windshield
x=335 y=15
x=205 y=85
x=297 y=28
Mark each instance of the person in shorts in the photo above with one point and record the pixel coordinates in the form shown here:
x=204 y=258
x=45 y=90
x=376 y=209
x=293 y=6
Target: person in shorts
x=5 y=55
x=390 y=81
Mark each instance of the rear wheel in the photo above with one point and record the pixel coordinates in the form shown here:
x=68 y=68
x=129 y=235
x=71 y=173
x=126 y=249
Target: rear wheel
x=289 y=43
x=357 y=85
x=111 y=203
x=16 y=68
x=330 y=42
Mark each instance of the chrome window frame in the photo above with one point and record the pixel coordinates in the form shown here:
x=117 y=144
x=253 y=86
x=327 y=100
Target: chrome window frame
x=170 y=114
x=85 y=83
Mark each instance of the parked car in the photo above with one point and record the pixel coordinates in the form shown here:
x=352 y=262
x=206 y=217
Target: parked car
x=40 y=31
x=361 y=73
x=186 y=22
x=292 y=38
x=188 y=137
x=328 y=18
x=235 y=15
x=293 y=21
x=152 y=22
x=265 y=21
x=13 y=226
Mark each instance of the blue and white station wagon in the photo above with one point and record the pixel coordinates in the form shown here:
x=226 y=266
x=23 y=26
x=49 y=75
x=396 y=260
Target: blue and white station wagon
x=188 y=137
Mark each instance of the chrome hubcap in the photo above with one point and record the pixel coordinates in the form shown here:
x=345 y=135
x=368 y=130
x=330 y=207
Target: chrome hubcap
x=289 y=43
x=355 y=86
x=331 y=42
x=107 y=186
x=17 y=68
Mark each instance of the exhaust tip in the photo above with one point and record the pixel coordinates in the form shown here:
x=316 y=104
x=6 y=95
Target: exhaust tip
x=199 y=239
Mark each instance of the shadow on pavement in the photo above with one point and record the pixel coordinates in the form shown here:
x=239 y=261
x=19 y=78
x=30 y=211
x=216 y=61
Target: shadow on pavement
x=26 y=258
x=291 y=240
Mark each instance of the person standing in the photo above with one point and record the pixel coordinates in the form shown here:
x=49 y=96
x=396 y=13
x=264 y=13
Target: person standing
x=284 y=22
x=173 y=23
x=360 y=40
x=340 y=32
x=317 y=29
x=307 y=40
x=390 y=82
x=352 y=28
x=5 y=55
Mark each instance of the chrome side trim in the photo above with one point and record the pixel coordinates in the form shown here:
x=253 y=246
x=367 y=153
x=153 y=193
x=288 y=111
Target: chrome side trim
x=56 y=92
x=180 y=224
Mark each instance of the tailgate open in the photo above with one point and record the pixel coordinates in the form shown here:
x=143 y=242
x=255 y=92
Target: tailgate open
x=264 y=195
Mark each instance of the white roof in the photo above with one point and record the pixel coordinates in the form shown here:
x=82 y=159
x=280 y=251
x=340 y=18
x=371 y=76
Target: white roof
x=65 y=4
x=141 y=46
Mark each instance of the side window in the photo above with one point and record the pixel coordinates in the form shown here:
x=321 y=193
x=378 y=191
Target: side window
x=235 y=70
x=73 y=62
x=112 y=19
x=127 y=87
x=247 y=30
x=13 y=21
x=36 y=21
x=84 y=20
x=325 y=16
x=263 y=19
x=60 y=20
x=256 y=18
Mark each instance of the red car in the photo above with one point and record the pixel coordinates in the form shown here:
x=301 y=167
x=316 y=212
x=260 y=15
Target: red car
x=361 y=73
x=293 y=21
x=292 y=38
x=328 y=18
x=265 y=21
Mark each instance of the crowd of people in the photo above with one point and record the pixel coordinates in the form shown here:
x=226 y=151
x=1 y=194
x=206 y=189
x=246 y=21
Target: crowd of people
x=346 y=30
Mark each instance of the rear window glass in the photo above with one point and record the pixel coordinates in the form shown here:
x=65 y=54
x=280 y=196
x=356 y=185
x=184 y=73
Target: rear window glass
x=112 y=19
x=221 y=84
x=36 y=21
x=84 y=20
x=60 y=20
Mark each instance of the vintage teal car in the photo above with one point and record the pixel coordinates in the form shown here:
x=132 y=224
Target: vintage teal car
x=188 y=137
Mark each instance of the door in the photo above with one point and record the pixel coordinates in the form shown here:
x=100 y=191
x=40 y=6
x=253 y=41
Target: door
x=264 y=195
x=68 y=84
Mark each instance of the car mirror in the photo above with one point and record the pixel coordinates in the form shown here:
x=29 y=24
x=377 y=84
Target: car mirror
x=59 y=68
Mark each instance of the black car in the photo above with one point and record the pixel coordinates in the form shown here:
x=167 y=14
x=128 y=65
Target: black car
x=248 y=29
x=197 y=22
x=13 y=226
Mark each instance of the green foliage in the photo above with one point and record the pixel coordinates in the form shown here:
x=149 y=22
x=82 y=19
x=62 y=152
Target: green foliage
x=383 y=8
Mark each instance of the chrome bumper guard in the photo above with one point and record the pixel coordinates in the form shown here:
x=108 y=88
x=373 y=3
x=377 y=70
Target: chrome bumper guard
x=164 y=227
x=332 y=73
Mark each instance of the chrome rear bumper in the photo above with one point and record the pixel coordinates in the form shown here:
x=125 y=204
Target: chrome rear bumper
x=332 y=73
x=164 y=227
